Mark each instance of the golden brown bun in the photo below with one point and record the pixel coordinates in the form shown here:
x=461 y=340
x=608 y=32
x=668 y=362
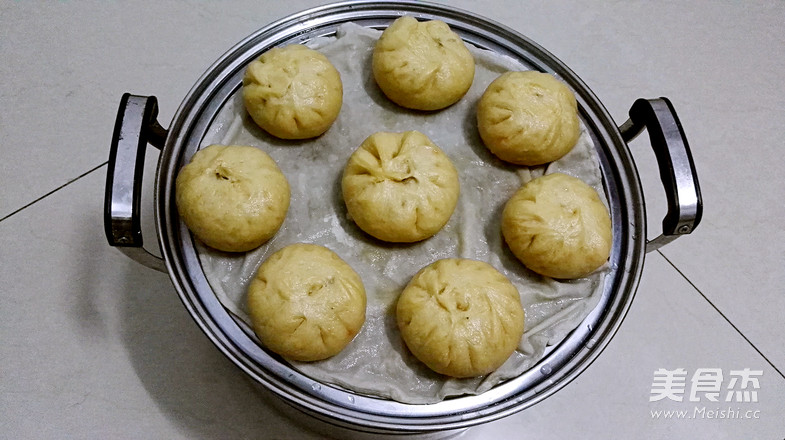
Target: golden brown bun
x=460 y=317
x=233 y=198
x=558 y=227
x=293 y=92
x=528 y=118
x=400 y=187
x=306 y=303
x=422 y=65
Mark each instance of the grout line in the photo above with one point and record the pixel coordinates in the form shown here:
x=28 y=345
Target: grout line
x=53 y=191
x=722 y=314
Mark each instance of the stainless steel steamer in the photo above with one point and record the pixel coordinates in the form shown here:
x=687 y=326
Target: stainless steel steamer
x=136 y=127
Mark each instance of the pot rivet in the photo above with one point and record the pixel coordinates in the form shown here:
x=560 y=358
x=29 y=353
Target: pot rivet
x=684 y=229
x=546 y=369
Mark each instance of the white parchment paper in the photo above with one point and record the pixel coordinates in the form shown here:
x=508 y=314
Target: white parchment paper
x=377 y=362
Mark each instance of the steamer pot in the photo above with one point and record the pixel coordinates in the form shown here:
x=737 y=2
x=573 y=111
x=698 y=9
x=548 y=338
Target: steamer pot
x=137 y=127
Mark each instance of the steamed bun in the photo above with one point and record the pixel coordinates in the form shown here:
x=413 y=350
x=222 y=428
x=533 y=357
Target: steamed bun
x=528 y=118
x=400 y=187
x=293 y=92
x=557 y=226
x=422 y=65
x=306 y=303
x=460 y=317
x=233 y=198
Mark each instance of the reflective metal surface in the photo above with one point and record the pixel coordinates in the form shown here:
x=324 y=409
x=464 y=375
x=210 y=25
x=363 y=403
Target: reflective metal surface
x=341 y=408
x=562 y=364
x=677 y=170
x=136 y=127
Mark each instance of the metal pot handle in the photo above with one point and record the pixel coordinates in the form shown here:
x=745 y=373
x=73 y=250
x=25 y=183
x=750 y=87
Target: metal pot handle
x=677 y=171
x=135 y=127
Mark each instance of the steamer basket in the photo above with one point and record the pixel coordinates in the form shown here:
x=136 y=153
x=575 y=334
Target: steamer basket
x=136 y=127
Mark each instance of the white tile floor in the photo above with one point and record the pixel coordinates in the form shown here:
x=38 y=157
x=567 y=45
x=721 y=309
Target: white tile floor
x=96 y=346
